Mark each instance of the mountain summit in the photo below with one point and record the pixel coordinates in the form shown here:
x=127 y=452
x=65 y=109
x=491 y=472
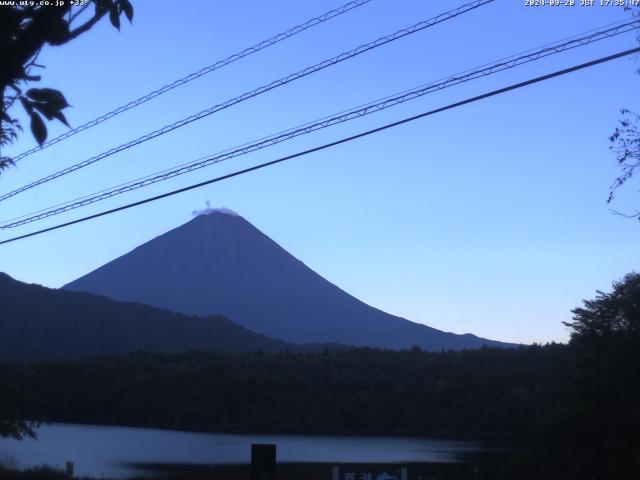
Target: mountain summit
x=220 y=264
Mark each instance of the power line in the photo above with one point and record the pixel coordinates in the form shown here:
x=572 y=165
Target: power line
x=203 y=71
x=333 y=144
x=265 y=88
x=357 y=112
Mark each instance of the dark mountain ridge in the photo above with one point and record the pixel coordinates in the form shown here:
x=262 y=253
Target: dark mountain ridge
x=218 y=263
x=39 y=323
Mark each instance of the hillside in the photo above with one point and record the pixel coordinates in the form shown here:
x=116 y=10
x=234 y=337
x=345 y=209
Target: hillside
x=41 y=323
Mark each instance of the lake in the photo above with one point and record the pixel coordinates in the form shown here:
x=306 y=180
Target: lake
x=101 y=451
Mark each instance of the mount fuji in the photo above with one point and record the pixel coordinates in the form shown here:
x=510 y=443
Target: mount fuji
x=220 y=264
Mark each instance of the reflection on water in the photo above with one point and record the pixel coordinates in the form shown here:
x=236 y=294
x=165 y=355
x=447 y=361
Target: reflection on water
x=99 y=451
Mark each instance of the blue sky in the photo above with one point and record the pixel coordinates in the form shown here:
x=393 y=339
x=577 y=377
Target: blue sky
x=490 y=218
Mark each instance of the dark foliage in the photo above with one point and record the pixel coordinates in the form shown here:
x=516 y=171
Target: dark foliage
x=24 y=31
x=605 y=396
x=566 y=411
x=13 y=406
x=528 y=399
x=486 y=393
x=625 y=143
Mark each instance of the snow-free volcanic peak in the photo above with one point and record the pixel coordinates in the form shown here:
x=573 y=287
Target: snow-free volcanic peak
x=218 y=263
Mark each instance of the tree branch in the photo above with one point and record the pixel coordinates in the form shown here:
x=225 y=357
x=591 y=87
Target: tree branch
x=635 y=215
x=85 y=26
x=78 y=12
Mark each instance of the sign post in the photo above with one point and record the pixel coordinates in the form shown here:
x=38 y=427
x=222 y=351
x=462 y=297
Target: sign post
x=68 y=469
x=263 y=461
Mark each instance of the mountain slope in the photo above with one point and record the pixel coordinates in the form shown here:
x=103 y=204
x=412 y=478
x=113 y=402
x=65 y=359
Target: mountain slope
x=38 y=323
x=218 y=263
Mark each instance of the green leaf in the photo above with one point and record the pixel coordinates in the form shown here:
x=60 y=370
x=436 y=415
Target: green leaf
x=60 y=116
x=114 y=16
x=50 y=113
x=46 y=109
x=6 y=162
x=101 y=6
x=38 y=128
x=28 y=106
x=126 y=7
x=55 y=98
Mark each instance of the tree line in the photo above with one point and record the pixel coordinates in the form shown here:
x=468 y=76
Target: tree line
x=564 y=410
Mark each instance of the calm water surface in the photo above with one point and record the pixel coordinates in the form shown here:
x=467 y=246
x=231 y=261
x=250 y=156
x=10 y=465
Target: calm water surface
x=100 y=451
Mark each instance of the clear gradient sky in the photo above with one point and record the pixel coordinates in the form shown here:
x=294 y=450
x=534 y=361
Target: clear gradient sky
x=490 y=218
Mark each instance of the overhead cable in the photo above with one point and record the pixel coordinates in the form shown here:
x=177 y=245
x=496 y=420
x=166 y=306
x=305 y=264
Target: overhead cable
x=258 y=91
x=192 y=76
x=357 y=112
x=331 y=144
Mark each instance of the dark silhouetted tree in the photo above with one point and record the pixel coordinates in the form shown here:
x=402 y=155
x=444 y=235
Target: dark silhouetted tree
x=625 y=142
x=605 y=335
x=611 y=316
x=24 y=31
x=12 y=407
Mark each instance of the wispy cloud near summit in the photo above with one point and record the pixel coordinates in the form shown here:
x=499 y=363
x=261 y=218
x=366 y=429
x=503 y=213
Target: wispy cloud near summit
x=209 y=210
